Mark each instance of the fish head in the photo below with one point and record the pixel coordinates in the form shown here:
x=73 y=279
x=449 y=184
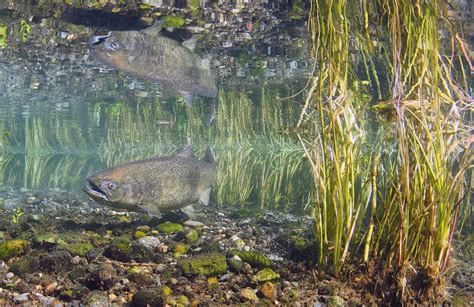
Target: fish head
x=116 y=191
x=116 y=49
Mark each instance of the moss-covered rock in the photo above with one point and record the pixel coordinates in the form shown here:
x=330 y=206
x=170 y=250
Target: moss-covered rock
x=266 y=274
x=148 y=297
x=169 y=228
x=139 y=234
x=123 y=249
x=101 y=278
x=254 y=258
x=248 y=294
x=56 y=262
x=236 y=265
x=26 y=264
x=13 y=248
x=171 y=21
x=192 y=236
x=204 y=264
x=81 y=249
x=141 y=279
x=180 y=249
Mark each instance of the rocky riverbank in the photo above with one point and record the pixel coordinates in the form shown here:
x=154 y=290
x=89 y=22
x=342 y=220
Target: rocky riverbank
x=58 y=248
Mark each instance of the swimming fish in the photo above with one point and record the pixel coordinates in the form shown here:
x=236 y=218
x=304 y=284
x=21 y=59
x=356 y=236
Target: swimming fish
x=148 y=55
x=155 y=185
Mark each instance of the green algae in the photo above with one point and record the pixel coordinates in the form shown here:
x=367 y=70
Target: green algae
x=254 y=258
x=169 y=228
x=13 y=248
x=171 y=21
x=180 y=249
x=266 y=274
x=204 y=264
x=192 y=236
x=80 y=249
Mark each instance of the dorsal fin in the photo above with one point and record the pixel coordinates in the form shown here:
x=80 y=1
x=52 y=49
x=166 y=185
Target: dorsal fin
x=187 y=152
x=209 y=156
x=154 y=29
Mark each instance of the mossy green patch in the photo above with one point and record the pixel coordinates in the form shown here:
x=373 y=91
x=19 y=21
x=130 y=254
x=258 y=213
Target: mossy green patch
x=139 y=234
x=254 y=258
x=169 y=228
x=171 y=21
x=81 y=249
x=192 y=236
x=180 y=249
x=12 y=248
x=204 y=264
x=266 y=274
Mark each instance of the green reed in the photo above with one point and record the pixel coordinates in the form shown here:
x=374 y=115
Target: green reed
x=395 y=198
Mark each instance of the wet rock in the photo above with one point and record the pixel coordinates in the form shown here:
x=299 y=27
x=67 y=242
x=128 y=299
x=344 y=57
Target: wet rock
x=336 y=301
x=96 y=299
x=149 y=242
x=148 y=297
x=169 y=228
x=192 y=236
x=180 y=249
x=254 y=258
x=56 y=262
x=268 y=290
x=248 y=294
x=142 y=279
x=236 y=264
x=13 y=248
x=123 y=250
x=193 y=224
x=139 y=234
x=204 y=264
x=101 y=278
x=26 y=264
x=80 y=249
x=266 y=274
x=21 y=298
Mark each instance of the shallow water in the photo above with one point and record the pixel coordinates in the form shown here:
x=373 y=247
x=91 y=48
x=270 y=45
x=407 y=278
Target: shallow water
x=64 y=115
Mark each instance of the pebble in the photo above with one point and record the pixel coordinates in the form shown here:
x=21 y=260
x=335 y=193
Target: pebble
x=21 y=297
x=76 y=260
x=9 y=275
x=149 y=241
x=194 y=224
x=248 y=294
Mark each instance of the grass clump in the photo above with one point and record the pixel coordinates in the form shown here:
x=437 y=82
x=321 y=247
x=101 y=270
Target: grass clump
x=389 y=192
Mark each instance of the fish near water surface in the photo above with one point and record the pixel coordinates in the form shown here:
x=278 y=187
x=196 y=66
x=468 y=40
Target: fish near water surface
x=155 y=185
x=148 y=55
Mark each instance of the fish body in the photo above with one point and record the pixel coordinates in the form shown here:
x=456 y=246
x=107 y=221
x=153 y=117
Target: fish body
x=148 y=55
x=155 y=185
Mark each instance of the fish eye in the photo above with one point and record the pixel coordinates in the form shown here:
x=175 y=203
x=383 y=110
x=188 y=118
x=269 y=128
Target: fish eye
x=114 y=45
x=112 y=185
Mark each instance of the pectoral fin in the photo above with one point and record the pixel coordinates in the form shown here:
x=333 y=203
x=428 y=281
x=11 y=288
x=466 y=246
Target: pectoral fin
x=188 y=97
x=190 y=211
x=204 y=197
x=150 y=211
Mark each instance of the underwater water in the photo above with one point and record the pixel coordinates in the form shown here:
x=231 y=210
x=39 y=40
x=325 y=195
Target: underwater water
x=65 y=115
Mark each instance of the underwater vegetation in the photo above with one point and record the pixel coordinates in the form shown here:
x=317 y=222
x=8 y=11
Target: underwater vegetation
x=389 y=190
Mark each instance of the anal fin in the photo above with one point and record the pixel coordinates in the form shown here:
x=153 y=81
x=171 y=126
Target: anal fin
x=204 y=197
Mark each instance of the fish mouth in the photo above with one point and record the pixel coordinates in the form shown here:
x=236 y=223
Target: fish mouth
x=95 y=192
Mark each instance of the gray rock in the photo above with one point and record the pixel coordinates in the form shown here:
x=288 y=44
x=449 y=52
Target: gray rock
x=149 y=242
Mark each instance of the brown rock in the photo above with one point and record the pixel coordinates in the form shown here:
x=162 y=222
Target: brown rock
x=268 y=290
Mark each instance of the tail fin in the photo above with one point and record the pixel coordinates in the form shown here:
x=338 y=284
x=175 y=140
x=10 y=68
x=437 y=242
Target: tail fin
x=209 y=156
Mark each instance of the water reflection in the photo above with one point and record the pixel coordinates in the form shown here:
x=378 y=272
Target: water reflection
x=64 y=116
x=256 y=162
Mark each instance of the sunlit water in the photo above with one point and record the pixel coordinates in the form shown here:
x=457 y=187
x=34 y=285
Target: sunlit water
x=64 y=116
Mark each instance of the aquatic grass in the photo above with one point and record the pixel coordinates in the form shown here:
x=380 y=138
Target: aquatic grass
x=394 y=199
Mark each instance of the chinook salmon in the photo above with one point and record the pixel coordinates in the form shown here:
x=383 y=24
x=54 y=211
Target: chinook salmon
x=148 y=55
x=155 y=185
